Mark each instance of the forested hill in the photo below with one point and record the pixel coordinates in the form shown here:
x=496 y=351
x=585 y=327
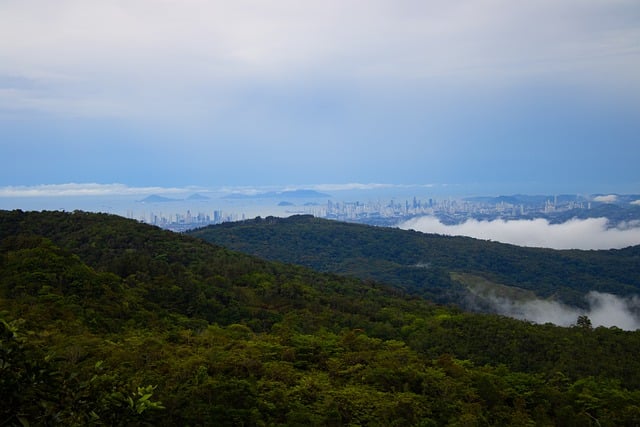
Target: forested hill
x=106 y=321
x=422 y=262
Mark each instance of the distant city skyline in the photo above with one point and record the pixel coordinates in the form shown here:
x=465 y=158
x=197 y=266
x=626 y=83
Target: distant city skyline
x=528 y=96
x=587 y=221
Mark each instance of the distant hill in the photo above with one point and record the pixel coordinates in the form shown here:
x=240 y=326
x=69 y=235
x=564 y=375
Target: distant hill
x=197 y=196
x=517 y=199
x=154 y=198
x=107 y=321
x=615 y=213
x=422 y=263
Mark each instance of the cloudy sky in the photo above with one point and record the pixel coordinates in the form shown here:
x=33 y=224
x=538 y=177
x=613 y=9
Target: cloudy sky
x=543 y=94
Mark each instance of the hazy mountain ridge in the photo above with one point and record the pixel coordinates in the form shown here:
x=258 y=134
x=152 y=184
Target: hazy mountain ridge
x=223 y=338
x=390 y=255
x=156 y=198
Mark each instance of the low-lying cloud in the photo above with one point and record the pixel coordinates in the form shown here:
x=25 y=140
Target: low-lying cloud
x=590 y=233
x=609 y=198
x=354 y=186
x=84 y=189
x=604 y=310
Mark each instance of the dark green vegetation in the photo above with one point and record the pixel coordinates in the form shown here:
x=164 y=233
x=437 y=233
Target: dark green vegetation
x=421 y=263
x=104 y=318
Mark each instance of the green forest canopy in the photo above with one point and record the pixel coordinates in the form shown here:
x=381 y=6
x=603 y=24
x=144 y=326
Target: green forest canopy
x=421 y=263
x=106 y=321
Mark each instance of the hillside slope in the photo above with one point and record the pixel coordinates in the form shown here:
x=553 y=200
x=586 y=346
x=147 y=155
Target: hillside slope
x=103 y=318
x=421 y=263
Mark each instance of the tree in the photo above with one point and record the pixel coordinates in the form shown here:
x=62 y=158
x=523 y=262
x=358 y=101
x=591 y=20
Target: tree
x=584 y=322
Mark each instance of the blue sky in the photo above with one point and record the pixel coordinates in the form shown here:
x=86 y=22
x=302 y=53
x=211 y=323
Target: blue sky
x=543 y=95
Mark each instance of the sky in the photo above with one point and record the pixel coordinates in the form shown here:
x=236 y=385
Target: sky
x=542 y=95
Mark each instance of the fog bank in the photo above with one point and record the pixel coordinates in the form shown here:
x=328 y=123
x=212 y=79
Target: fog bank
x=591 y=233
x=604 y=310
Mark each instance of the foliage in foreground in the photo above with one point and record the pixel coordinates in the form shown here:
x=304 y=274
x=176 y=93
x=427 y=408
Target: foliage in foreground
x=118 y=317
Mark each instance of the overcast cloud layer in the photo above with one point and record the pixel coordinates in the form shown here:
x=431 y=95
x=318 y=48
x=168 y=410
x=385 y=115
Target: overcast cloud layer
x=591 y=233
x=196 y=92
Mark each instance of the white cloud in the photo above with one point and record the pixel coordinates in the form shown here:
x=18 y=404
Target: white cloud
x=89 y=189
x=95 y=189
x=610 y=310
x=591 y=233
x=362 y=186
x=111 y=52
x=351 y=186
x=610 y=198
x=604 y=310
